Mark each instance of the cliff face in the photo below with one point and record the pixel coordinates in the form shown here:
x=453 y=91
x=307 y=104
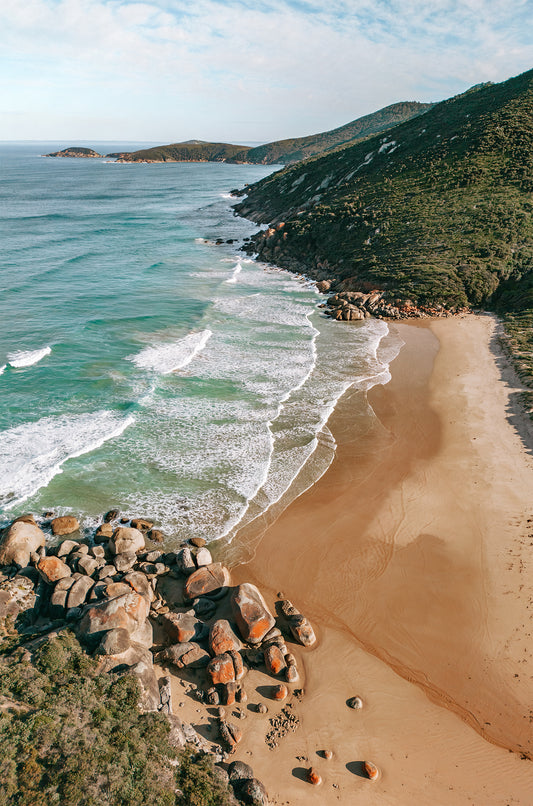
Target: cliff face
x=437 y=211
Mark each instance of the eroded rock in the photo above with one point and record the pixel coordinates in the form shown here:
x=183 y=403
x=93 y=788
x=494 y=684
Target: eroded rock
x=126 y=612
x=251 y=613
x=52 y=569
x=220 y=669
x=185 y=561
x=65 y=525
x=209 y=579
x=274 y=660
x=313 y=776
x=126 y=539
x=67 y=547
x=222 y=637
x=188 y=655
x=114 y=642
x=252 y=792
x=19 y=541
x=78 y=592
x=371 y=770
x=180 y=627
x=203 y=557
x=299 y=625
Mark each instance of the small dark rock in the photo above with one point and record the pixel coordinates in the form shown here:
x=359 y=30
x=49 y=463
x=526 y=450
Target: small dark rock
x=141 y=524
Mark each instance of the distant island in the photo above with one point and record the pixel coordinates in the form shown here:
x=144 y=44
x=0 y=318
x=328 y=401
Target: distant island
x=75 y=151
x=282 y=152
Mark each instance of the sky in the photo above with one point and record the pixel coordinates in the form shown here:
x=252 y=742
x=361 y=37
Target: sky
x=241 y=71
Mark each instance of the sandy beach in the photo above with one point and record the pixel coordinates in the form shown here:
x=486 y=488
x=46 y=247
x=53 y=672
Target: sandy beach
x=412 y=556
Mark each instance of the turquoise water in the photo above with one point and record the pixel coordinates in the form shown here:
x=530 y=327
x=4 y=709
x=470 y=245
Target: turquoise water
x=147 y=368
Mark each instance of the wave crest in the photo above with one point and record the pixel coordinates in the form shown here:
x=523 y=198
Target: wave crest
x=166 y=358
x=26 y=358
x=33 y=453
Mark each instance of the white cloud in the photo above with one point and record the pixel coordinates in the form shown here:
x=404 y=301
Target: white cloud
x=241 y=70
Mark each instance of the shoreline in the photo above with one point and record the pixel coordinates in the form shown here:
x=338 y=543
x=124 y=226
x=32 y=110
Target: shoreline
x=409 y=557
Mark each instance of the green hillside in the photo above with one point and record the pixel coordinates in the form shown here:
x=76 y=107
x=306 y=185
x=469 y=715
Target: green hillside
x=438 y=210
x=74 y=151
x=282 y=151
x=192 y=151
x=299 y=148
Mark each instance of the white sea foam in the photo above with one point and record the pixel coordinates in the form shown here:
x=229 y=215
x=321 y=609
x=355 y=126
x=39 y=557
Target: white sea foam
x=26 y=358
x=31 y=454
x=237 y=270
x=302 y=446
x=2 y=368
x=166 y=358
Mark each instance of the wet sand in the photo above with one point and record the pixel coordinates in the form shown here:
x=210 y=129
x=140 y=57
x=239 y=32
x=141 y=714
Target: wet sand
x=413 y=556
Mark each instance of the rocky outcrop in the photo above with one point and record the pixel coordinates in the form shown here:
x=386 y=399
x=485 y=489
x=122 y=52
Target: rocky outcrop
x=251 y=613
x=115 y=601
x=349 y=306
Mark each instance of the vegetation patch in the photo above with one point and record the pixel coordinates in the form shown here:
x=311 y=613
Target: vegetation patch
x=437 y=212
x=71 y=736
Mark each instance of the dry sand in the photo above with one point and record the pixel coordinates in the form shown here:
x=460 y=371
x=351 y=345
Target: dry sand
x=413 y=556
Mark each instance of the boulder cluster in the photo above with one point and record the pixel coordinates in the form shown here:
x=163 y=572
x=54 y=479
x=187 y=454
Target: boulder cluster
x=351 y=306
x=131 y=604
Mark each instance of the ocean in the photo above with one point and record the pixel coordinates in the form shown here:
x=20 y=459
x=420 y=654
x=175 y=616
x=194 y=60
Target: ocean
x=145 y=367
